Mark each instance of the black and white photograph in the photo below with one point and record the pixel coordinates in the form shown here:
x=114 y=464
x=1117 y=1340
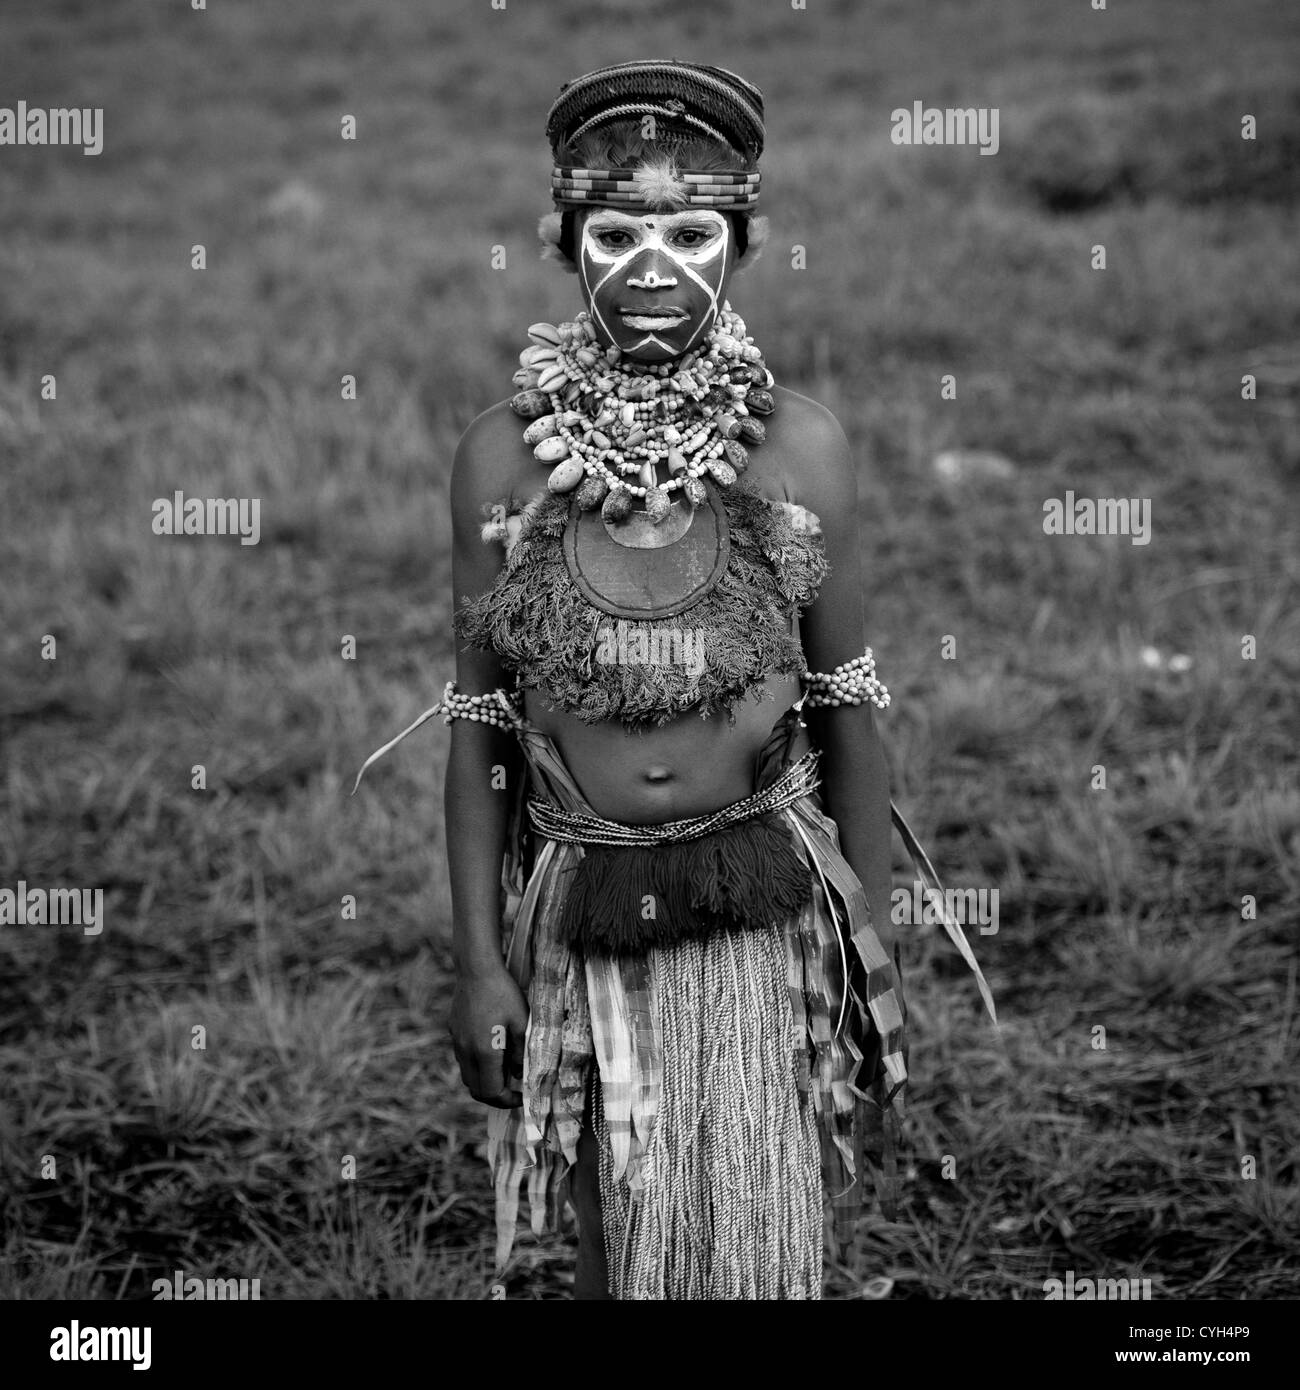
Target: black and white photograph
x=649 y=652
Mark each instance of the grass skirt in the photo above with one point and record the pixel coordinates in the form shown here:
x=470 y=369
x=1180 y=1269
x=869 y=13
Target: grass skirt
x=730 y=1199
x=743 y=1079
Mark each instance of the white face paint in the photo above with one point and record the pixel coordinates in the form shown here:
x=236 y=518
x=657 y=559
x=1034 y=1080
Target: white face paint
x=654 y=281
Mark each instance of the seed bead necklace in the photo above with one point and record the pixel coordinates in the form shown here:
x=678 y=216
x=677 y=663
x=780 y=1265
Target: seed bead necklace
x=600 y=420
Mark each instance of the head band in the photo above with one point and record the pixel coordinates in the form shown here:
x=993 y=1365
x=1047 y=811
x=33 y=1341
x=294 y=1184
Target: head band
x=631 y=189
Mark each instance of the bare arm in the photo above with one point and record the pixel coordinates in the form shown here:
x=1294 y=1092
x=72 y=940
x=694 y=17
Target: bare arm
x=855 y=779
x=477 y=806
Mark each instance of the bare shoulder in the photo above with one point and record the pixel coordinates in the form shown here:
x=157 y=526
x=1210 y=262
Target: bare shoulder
x=493 y=464
x=815 y=458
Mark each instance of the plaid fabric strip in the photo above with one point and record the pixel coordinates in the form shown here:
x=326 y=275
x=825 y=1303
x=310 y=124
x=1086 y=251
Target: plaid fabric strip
x=744 y=202
x=647 y=1059
x=522 y=1141
x=547 y=995
x=820 y=966
x=711 y=188
x=858 y=1126
x=569 y=185
x=615 y=1045
x=507 y=1160
x=726 y=177
x=814 y=968
x=800 y=943
x=538 y=1141
x=880 y=996
x=576 y=1056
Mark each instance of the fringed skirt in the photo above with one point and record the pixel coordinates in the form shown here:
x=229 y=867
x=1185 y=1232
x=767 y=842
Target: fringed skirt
x=746 y=1084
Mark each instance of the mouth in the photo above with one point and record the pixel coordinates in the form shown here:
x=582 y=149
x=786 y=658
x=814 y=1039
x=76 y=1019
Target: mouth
x=652 y=319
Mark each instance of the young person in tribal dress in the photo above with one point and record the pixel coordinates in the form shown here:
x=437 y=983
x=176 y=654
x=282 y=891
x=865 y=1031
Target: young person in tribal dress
x=687 y=1023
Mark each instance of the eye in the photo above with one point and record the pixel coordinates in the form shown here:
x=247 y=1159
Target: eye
x=612 y=238
x=691 y=238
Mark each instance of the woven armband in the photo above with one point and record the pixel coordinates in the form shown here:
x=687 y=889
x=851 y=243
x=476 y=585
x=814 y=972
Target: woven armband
x=849 y=684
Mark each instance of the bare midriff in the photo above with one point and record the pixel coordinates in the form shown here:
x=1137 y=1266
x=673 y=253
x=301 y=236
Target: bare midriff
x=688 y=767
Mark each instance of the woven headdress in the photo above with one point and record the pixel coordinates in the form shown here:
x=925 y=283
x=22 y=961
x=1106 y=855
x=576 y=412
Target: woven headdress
x=700 y=135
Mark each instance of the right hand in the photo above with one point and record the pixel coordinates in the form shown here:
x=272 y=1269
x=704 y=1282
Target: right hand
x=488 y=1017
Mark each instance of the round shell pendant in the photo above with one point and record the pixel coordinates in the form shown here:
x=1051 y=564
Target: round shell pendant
x=640 y=568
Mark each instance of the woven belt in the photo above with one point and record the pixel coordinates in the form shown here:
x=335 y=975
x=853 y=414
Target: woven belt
x=575 y=828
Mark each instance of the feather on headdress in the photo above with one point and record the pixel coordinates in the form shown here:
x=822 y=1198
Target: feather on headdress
x=659 y=183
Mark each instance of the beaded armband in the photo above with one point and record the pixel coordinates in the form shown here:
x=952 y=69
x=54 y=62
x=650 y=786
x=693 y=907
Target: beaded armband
x=496 y=708
x=850 y=684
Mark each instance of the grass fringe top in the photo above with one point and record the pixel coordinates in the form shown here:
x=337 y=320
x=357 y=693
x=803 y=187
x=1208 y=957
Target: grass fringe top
x=548 y=635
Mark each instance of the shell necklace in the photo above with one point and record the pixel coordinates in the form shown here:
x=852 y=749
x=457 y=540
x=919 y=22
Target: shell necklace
x=606 y=424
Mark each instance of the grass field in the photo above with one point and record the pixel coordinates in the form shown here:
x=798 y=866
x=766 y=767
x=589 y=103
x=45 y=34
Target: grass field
x=1031 y=1152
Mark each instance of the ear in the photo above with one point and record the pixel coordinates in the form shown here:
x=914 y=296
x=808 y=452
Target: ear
x=548 y=231
x=759 y=229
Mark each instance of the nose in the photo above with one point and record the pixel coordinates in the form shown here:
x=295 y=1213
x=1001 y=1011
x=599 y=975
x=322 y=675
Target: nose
x=654 y=272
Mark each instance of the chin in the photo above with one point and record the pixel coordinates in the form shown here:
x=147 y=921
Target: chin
x=652 y=352
x=661 y=347
x=634 y=346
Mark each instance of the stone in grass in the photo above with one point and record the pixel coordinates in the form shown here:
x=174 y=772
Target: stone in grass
x=1178 y=664
x=294 y=202
x=972 y=466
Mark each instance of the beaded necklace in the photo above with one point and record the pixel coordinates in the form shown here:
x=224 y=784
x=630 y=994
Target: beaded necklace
x=601 y=421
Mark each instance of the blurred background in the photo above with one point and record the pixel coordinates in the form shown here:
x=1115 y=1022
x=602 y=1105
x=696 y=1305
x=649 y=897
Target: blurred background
x=1169 y=1152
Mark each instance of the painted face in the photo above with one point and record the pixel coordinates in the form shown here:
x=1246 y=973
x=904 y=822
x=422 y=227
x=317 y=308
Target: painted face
x=654 y=281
